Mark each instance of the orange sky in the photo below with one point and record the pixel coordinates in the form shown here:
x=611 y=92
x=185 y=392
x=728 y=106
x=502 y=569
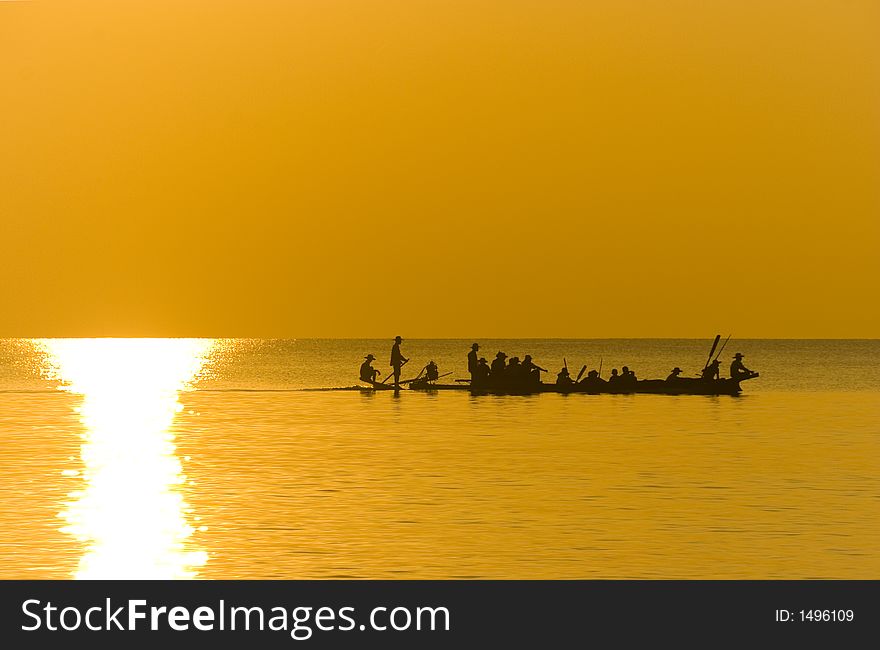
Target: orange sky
x=459 y=168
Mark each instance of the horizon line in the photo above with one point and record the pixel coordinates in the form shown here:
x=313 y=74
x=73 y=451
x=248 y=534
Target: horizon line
x=453 y=338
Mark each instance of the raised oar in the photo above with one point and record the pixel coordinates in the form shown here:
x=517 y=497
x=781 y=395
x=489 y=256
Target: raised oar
x=712 y=351
x=722 y=348
x=581 y=373
x=600 y=366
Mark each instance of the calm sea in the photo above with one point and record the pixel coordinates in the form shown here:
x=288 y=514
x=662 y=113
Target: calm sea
x=198 y=458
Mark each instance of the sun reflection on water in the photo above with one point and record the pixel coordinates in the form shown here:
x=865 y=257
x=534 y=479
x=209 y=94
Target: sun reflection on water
x=130 y=511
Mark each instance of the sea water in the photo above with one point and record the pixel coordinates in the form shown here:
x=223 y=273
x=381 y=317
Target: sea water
x=199 y=458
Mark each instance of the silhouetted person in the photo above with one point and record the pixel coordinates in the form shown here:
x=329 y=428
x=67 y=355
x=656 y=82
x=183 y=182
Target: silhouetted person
x=472 y=360
x=712 y=371
x=593 y=380
x=498 y=365
x=397 y=360
x=480 y=375
x=737 y=369
x=563 y=378
x=531 y=370
x=514 y=371
x=674 y=375
x=627 y=377
x=432 y=372
x=368 y=372
x=614 y=378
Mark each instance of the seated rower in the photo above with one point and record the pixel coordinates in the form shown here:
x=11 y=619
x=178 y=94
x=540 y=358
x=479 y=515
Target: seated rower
x=513 y=374
x=432 y=373
x=498 y=365
x=481 y=373
x=531 y=370
x=674 y=375
x=614 y=378
x=563 y=378
x=593 y=379
x=628 y=377
x=738 y=370
x=712 y=371
x=368 y=373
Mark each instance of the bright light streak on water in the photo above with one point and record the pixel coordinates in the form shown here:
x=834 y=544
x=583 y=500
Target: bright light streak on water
x=129 y=511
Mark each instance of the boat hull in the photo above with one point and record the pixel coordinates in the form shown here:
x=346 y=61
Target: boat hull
x=645 y=386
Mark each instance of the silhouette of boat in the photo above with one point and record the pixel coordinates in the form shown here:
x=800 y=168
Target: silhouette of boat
x=680 y=386
x=518 y=384
x=378 y=385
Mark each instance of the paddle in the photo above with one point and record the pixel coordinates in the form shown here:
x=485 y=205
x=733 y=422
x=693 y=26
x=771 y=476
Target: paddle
x=391 y=374
x=712 y=351
x=409 y=381
x=722 y=348
x=581 y=373
x=600 y=367
x=425 y=378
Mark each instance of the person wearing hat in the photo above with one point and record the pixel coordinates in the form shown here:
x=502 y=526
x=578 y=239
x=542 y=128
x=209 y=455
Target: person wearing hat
x=472 y=360
x=397 y=360
x=531 y=370
x=368 y=372
x=498 y=365
x=674 y=374
x=513 y=373
x=563 y=378
x=480 y=376
x=738 y=369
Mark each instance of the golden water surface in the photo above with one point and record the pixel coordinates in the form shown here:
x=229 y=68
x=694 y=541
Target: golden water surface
x=172 y=458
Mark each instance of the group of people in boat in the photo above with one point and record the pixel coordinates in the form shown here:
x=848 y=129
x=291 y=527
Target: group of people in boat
x=712 y=370
x=516 y=373
x=502 y=372
x=622 y=379
x=370 y=375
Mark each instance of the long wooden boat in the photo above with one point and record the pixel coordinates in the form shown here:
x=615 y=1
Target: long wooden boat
x=679 y=386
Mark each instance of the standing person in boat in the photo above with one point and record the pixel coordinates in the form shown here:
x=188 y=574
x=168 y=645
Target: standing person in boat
x=498 y=366
x=674 y=375
x=368 y=372
x=737 y=368
x=397 y=360
x=712 y=371
x=472 y=361
x=531 y=370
